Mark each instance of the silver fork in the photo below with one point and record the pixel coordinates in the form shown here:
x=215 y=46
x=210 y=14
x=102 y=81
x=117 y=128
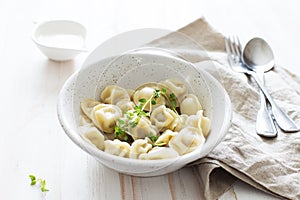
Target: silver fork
x=283 y=120
x=264 y=122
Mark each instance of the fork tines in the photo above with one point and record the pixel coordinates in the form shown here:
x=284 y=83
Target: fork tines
x=233 y=49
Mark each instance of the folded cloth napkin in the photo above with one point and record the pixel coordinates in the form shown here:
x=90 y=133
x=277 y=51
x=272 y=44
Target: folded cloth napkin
x=271 y=165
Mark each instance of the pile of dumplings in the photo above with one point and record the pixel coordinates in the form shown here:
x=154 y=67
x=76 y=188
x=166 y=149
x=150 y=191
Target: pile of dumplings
x=177 y=130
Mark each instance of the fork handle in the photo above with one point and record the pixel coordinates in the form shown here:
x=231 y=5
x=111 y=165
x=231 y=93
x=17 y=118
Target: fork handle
x=264 y=122
x=282 y=119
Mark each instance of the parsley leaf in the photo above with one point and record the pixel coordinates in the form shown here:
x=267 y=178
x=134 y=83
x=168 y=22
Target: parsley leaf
x=33 y=179
x=153 y=137
x=42 y=183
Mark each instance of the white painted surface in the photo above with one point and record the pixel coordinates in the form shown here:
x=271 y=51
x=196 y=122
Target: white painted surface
x=31 y=138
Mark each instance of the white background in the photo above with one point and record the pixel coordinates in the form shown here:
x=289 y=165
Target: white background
x=31 y=138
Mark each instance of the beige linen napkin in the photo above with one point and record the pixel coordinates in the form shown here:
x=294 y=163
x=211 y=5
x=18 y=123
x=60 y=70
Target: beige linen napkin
x=272 y=165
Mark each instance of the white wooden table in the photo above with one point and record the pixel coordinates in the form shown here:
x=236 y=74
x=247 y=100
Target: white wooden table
x=32 y=140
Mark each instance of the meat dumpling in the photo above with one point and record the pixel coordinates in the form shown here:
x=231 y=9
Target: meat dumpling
x=143 y=129
x=87 y=106
x=113 y=94
x=177 y=87
x=125 y=105
x=200 y=122
x=105 y=116
x=146 y=92
x=117 y=148
x=190 y=105
x=159 y=153
x=162 y=117
x=187 y=140
x=93 y=135
x=138 y=147
x=165 y=137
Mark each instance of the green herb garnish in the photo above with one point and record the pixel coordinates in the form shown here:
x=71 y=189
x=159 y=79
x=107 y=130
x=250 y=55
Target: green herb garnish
x=122 y=130
x=171 y=98
x=33 y=179
x=41 y=182
x=153 y=137
x=120 y=134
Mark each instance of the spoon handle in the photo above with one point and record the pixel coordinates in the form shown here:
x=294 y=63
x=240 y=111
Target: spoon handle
x=264 y=122
x=282 y=119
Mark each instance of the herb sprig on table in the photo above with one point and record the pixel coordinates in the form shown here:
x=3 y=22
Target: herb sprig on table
x=41 y=182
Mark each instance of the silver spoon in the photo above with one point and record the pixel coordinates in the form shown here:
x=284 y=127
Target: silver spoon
x=264 y=122
x=259 y=56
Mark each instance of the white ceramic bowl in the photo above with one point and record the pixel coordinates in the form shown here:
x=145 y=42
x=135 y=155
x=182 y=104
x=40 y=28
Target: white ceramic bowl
x=60 y=40
x=129 y=71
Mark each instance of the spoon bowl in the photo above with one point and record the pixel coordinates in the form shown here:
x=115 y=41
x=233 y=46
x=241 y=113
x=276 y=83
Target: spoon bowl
x=258 y=55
